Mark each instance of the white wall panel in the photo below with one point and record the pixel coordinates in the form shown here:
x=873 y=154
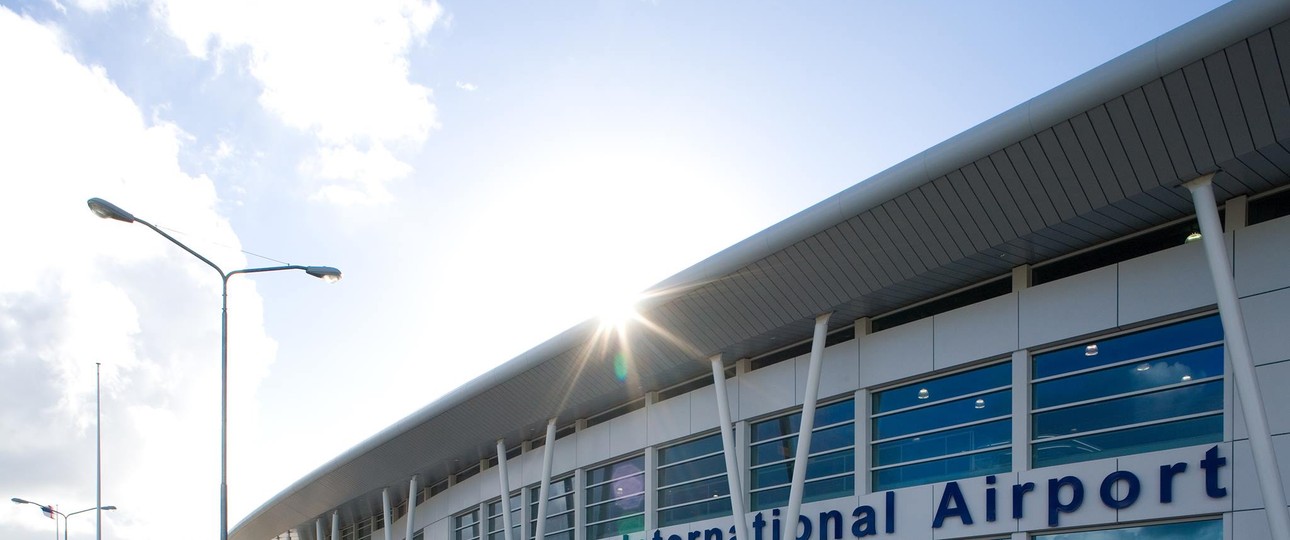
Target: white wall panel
x=914 y=509
x=1267 y=321
x=1251 y=524
x=1069 y=307
x=974 y=494
x=565 y=458
x=439 y=530
x=669 y=419
x=767 y=389
x=466 y=494
x=839 y=372
x=593 y=444
x=531 y=464
x=489 y=486
x=435 y=509
x=1176 y=279
x=1245 y=481
x=1262 y=256
x=628 y=433
x=895 y=353
x=981 y=330
x=703 y=406
x=1188 y=487
x=1273 y=379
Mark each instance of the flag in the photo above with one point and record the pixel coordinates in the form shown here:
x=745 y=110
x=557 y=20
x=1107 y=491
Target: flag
x=49 y=511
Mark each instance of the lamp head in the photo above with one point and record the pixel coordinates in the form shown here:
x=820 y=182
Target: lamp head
x=107 y=210
x=325 y=273
x=21 y=501
x=107 y=508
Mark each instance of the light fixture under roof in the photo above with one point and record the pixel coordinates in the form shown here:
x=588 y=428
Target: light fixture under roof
x=1143 y=366
x=980 y=403
x=1186 y=378
x=1194 y=236
x=923 y=393
x=1090 y=350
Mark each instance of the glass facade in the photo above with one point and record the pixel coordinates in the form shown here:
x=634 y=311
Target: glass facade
x=615 y=498
x=1150 y=390
x=692 y=483
x=465 y=526
x=830 y=466
x=1153 y=389
x=1187 y=530
x=942 y=429
x=560 y=521
x=495 y=522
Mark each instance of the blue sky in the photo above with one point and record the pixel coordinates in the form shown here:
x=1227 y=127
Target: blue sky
x=486 y=174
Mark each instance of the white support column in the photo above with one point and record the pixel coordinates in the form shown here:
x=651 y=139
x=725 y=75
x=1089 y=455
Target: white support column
x=506 y=489
x=318 y=529
x=335 y=525
x=544 y=490
x=733 y=472
x=388 y=513
x=1238 y=350
x=797 y=489
x=412 y=505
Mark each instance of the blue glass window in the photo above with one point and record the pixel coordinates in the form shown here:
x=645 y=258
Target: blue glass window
x=1190 y=530
x=830 y=464
x=615 y=496
x=692 y=482
x=465 y=526
x=941 y=429
x=559 y=510
x=1150 y=390
x=495 y=523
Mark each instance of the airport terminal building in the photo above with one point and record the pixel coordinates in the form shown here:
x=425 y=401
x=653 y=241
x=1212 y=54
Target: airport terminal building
x=1014 y=334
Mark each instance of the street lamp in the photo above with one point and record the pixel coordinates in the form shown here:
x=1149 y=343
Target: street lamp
x=107 y=210
x=49 y=509
x=70 y=514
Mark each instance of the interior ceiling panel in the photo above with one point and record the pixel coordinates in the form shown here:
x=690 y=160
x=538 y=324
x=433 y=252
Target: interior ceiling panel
x=1100 y=170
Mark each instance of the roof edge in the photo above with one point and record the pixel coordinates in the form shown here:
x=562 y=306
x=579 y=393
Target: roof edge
x=1200 y=37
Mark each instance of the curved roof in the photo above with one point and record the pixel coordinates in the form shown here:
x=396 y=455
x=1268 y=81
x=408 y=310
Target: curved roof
x=1089 y=161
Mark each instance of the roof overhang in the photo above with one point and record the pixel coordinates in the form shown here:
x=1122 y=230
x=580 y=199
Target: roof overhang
x=1094 y=159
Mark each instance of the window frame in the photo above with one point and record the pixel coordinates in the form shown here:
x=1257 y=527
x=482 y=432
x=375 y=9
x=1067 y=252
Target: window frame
x=872 y=469
x=753 y=444
x=659 y=487
x=1032 y=382
x=587 y=488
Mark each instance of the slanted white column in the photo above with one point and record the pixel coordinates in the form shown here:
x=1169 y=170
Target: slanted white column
x=795 y=491
x=506 y=489
x=544 y=490
x=335 y=525
x=1238 y=350
x=318 y=529
x=412 y=505
x=387 y=513
x=733 y=472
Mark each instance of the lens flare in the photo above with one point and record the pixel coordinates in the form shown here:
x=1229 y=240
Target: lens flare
x=620 y=366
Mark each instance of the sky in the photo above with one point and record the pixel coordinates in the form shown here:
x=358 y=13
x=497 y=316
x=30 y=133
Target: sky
x=486 y=174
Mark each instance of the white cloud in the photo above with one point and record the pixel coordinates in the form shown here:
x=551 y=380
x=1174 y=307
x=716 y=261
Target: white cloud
x=89 y=290
x=469 y=87
x=337 y=70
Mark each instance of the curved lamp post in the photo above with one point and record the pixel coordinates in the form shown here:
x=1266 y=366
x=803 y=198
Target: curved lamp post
x=48 y=508
x=107 y=210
